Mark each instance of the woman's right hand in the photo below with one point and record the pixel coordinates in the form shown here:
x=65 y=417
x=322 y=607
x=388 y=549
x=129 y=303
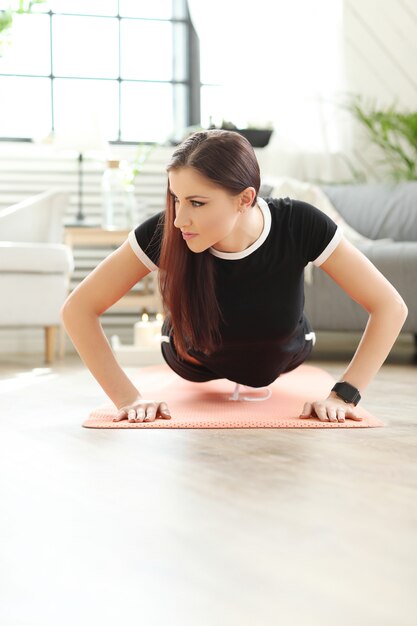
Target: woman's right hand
x=143 y=410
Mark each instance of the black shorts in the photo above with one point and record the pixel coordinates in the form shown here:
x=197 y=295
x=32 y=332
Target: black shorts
x=185 y=369
x=201 y=374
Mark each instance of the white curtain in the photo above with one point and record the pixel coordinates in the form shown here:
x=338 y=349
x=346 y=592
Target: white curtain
x=278 y=62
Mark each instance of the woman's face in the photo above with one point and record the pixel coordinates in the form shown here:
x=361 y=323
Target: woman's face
x=206 y=209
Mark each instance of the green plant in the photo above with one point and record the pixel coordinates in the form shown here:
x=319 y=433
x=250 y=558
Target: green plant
x=6 y=20
x=395 y=132
x=6 y=16
x=132 y=169
x=142 y=154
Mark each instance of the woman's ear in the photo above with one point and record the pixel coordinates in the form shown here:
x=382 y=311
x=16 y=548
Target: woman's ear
x=246 y=199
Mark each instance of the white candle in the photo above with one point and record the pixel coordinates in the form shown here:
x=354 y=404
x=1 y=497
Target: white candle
x=147 y=334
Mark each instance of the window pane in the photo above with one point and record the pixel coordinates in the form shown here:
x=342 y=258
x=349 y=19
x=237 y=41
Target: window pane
x=146 y=50
x=96 y=95
x=29 y=51
x=180 y=106
x=26 y=111
x=161 y=9
x=179 y=32
x=147 y=112
x=89 y=7
x=76 y=53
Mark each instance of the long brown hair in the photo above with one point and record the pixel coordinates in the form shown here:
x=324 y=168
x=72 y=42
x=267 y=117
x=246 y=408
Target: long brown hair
x=187 y=281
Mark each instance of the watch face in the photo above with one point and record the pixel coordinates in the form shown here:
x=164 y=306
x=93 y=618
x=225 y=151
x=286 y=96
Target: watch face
x=347 y=392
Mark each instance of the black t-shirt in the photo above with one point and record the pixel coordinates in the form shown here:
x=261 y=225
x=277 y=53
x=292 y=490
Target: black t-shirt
x=260 y=290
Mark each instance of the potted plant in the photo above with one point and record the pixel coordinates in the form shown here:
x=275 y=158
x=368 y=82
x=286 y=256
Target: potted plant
x=394 y=131
x=258 y=137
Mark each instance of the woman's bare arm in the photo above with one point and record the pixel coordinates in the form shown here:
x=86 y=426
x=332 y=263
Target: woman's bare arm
x=105 y=285
x=365 y=284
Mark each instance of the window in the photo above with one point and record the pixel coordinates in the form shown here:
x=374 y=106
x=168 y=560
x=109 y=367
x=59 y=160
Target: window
x=127 y=60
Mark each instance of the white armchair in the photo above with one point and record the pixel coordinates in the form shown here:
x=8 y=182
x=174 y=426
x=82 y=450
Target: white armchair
x=35 y=266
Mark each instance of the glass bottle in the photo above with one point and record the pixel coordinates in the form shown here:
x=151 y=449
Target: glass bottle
x=118 y=199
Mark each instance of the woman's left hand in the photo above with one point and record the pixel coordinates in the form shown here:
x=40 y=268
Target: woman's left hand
x=331 y=409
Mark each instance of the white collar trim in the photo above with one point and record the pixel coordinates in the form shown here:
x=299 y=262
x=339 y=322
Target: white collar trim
x=231 y=256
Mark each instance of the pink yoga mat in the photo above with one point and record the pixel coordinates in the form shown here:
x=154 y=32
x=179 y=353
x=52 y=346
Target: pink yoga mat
x=206 y=405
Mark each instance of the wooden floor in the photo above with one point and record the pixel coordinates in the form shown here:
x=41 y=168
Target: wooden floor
x=205 y=527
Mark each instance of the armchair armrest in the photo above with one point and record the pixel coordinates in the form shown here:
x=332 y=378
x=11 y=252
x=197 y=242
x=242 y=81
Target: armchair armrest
x=39 y=218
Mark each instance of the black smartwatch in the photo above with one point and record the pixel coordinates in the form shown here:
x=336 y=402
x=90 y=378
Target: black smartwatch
x=347 y=392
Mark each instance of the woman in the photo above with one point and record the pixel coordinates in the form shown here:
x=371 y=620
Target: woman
x=231 y=277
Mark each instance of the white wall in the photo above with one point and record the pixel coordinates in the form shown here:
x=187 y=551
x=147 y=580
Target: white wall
x=380 y=42
x=381 y=49
x=379 y=59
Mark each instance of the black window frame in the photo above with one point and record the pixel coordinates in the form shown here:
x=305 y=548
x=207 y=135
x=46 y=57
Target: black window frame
x=192 y=70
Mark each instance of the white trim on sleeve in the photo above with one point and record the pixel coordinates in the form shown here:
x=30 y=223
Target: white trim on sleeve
x=330 y=247
x=139 y=252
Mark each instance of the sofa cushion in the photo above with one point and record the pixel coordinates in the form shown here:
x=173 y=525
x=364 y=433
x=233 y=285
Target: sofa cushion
x=378 y=210
x=329 y=307
x=308 y=192
x=34 y=258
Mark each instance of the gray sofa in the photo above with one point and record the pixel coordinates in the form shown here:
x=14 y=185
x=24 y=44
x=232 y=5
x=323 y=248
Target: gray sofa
x=377 y=211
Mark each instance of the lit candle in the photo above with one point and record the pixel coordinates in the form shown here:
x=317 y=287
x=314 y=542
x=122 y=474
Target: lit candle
x=143 y=332
x=148 y=334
